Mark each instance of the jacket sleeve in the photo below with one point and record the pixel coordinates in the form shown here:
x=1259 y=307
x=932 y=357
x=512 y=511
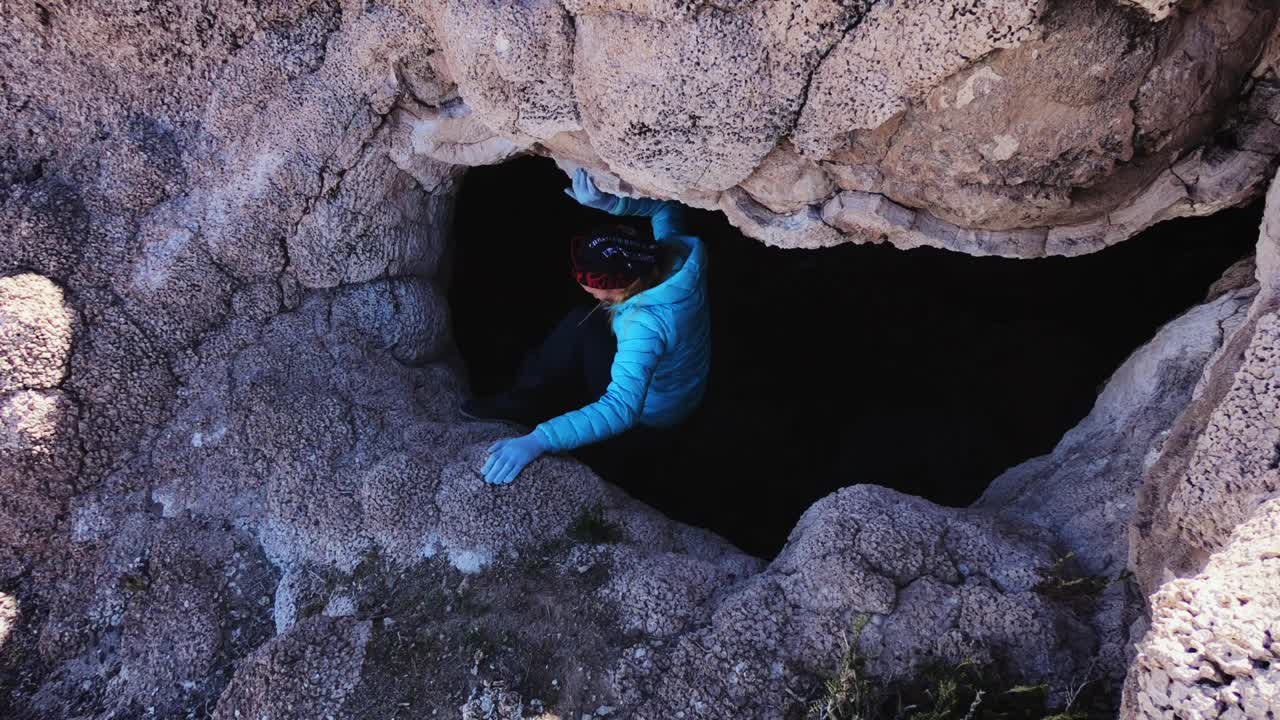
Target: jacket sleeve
x=668 y=217
x=639 y=349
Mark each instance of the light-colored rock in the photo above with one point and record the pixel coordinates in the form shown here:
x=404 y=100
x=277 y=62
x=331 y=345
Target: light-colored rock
x=481 y=523
x=450 y=134
x=803 y=228
x=659 y=593
x=785 y=181
x=652 y=96
x=1159 y=9
x=1268 y=256
x=356 y=233
x=512 y=61
x=867 y=215
x=1211 y=648
x=1238 y=450
x=1197 y=543
x=1219 y=463
x=941 y=38
x=36 y=328
x=1217 y=481
x=1086 y=490
x=1010 y=141
x=493 y=702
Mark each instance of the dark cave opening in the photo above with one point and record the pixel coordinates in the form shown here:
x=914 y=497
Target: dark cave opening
x=926 y=371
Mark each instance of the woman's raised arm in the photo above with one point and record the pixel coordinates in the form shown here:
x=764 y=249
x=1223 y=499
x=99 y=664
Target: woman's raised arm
x=668 y=216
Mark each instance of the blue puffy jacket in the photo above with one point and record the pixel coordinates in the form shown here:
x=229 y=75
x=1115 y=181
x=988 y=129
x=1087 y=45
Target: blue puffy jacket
x=659 y=372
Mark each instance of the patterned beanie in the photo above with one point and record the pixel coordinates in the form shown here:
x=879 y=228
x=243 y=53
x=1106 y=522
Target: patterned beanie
x=611 y=257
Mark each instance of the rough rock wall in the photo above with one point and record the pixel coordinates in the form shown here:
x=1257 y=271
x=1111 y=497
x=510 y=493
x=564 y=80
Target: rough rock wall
x=1106 y=455
x=228 y=390
x=1211 y=650
x=1085 y=491
x=1203 y=543
x=1222 y=465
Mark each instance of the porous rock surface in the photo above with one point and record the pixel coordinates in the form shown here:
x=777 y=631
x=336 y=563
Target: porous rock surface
x=1085 y=491
x=1212 y=648
x=1203 y=544
x=234 y=483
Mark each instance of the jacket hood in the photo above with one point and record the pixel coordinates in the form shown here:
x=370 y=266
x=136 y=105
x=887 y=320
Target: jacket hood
x=684 y=278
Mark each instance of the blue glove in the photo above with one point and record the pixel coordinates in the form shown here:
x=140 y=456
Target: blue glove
x=508 y=457
x=584 y=190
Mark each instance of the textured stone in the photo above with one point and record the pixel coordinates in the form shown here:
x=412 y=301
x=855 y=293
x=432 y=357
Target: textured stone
x=1085 y=489
x=512 y=61
x=941 y=37
x=983 y=128
x=39 y=461
x=451 y=134
x=861 y=214
x=228 y=391
x=36 y=327
x=1268 y=256
x=869 y=217
x=493 y=702
x=802 y=228
x=676 y=101
x=173 y=634
x=786 y=181
x=1159 y=9
x=1211 y=647
x=1225 y=472
x=847 y=556
x=1027 y=146
x=1238 y=449
x=306 y=672
x=1219 y=462
x=659 y=593
x=1203 y=530
x=480 y=522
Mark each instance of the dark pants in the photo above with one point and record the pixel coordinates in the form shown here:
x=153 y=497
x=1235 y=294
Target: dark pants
x=571 y=366
x=570 y=369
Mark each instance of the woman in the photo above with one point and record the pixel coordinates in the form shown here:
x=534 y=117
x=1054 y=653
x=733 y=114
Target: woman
x=654 y=295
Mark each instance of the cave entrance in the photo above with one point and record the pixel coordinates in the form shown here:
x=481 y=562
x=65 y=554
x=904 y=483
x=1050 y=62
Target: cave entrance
x=926 y=371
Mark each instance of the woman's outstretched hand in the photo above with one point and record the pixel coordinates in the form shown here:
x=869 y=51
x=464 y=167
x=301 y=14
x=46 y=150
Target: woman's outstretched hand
x=508 y=457
x=584 y=190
